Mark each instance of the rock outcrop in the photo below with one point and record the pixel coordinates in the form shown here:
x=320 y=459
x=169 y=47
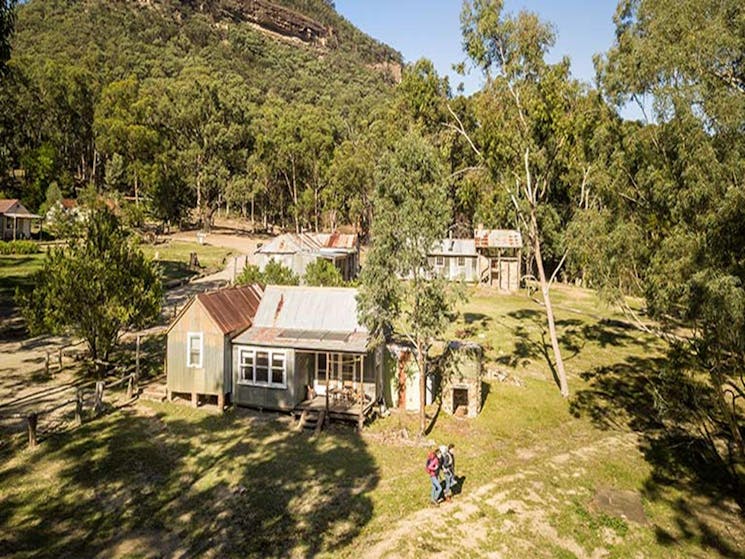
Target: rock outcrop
x=277 y=19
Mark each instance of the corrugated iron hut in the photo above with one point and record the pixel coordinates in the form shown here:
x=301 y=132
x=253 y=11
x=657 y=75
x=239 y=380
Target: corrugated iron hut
x=501 y=250
x=307 y=345
x=199 y=356
x=296 y=251
x=455 y=259
x=15 y=220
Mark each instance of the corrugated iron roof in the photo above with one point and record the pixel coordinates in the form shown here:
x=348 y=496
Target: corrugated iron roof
x=312 y=318
x=337 y=240
x=455 y=247
x=233 y=309
x=7 y=204
x=291 y=243
x=498 y=238
x=352 y=342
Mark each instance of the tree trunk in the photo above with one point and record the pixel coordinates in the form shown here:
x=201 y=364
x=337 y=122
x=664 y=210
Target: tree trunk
x=421 y=363
x=137 y=190
x=560 y=372
x=728 y=415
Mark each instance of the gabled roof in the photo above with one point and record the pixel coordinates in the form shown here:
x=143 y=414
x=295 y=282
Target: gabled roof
x=455 y=247
x=232 y=309
x=313 y=318
x=291 y=243
x=14 y=204
x=498 y=238
x=14 y=208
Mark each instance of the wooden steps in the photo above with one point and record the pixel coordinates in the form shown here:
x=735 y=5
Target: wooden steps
x=312 y=419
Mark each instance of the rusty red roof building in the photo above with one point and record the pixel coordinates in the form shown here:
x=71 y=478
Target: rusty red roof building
x=232 y=309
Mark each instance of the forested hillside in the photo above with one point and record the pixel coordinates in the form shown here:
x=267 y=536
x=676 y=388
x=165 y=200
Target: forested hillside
x=165 y=100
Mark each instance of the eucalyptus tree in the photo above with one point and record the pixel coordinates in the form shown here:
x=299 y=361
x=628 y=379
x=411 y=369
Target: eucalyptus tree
x=687 y=56
x=122 y=129
x=205 y=119
x=295 y=143
x=528 y=123
x=411 y=212
x=7 y=19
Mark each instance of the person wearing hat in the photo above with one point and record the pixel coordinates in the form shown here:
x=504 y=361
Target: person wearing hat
x=447 y=464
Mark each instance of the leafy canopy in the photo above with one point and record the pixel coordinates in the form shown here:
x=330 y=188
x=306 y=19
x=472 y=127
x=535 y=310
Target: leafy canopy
x=96 y=287
x=323 y=273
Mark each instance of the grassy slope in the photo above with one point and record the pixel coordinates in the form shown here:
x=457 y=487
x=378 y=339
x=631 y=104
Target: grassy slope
x=173 y=258
x=170 y=478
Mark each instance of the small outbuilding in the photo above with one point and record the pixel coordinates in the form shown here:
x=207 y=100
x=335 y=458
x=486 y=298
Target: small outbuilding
x=402 y=380
x=491 y=257
x=15 y=220
x=501 y=254
x=199 y=356
x=296 y=250
x=461 y=365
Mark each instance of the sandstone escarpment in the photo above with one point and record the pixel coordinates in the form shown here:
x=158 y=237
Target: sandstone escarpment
x=277 y=19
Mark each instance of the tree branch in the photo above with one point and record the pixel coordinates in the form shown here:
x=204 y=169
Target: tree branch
x=462 y=131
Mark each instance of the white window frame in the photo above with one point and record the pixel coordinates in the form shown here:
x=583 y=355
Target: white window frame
x=439 y=261
x=271 y=354
x=189 y=337
x=461 y=262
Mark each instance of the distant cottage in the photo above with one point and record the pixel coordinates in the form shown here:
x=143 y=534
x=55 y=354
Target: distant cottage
x=492 y=257
x=297 y=250
x=15 y=220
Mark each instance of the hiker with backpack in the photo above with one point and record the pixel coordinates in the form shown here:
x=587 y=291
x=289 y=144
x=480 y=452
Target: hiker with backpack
x=447 y=463
x=432 y=467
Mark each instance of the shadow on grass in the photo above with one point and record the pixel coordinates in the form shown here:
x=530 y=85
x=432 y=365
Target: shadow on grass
x=175 y=270
x=655 y=398
x=232 y=486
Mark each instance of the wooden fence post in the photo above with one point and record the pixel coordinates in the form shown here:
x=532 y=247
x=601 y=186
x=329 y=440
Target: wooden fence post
x=79 y=407
x=59 y=359
x=98 y=401
x=46 y=364
x=137 y=358
x=130 y=386
x=32 y=421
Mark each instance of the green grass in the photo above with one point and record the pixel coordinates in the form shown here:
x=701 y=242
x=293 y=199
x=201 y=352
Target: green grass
x=15 y=272
x=173 y=258
x=167 y=479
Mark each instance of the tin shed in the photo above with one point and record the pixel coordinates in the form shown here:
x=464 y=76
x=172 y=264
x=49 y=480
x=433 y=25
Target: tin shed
x=199 y=354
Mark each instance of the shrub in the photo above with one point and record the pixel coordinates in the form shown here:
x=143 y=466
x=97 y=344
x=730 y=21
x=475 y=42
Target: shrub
x=274 y=274
x=323 y=273
x=19 y=247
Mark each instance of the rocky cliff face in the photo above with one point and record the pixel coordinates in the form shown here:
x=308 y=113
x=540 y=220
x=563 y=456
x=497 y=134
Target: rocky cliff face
x=275 y=18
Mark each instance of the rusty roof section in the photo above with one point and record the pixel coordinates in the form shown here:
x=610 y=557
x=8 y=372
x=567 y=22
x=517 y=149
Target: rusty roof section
x=498 y=238
x=291 y=243
x=233 y=309
x=6 y=205
x=337 y=240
